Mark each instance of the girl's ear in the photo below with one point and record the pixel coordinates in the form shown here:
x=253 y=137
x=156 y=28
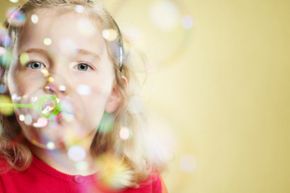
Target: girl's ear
x=115 y=98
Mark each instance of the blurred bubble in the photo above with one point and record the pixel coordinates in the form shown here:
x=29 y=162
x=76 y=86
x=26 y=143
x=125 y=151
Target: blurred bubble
x=188 y=163
x=47 y=41
x=62 y=88
x=107 y=123
x=124 y=133
x=6 y=58
x=15 y=97
x=187 y=22
x=34 y=99
x=79 y=8
x=109 y=34
x=41 y=122
x=21 y=117
x=28 y=119
x=76 y=153
x=24 y=58
x=83 y=89
x=14 y=1
x=15 y=17
x=50 y=145
x=5 y=40
x=45 y=72
x=6 y=106
x=113 y=172
x=2 y=51
x=165 y=15
x=3 y=88
x=34 y=18
x=50 y=79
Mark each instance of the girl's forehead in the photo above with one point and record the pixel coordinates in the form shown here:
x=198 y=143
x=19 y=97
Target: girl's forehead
x=58 y=26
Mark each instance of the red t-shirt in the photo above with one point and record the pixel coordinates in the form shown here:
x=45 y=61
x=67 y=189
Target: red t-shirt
x=42 y=178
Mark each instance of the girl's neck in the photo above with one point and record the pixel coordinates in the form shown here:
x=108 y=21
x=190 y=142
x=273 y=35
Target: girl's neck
x=60 y=160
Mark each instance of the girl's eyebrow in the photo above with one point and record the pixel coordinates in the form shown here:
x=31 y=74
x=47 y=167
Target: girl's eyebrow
x=88 y=53
x=79 y=52
x=37 y=50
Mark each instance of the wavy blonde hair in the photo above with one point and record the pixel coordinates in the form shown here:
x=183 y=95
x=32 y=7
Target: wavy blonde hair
x=131 y=150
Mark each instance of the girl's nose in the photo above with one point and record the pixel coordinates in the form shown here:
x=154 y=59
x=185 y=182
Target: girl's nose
x=53 y=87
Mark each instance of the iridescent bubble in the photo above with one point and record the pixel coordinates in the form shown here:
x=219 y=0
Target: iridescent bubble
x=15 y=17
x=76 y=153
x=109 y=34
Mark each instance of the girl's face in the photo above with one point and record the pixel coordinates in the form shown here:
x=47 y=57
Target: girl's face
x=63 y=79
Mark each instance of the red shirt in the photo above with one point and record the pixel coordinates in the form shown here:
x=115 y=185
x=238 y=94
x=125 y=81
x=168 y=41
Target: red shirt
x=42 y=178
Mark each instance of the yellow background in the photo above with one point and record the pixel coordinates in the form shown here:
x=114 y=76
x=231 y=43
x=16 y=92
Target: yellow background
x=226 y=97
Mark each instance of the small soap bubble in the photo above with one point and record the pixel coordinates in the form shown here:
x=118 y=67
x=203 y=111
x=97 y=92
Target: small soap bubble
x=34 y=18
x=50 y=145
x=24 y=58
x=21 y=117
x=109 y=34
x=124 y=133
x=47 y=41
x=2 y=51
x=28 y=119
x=62 y=88
x=79 y=8
x=41 y=122
x=14 y=1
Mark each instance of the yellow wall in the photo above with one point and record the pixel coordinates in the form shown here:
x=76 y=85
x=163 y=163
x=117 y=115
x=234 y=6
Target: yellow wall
x=226 y=98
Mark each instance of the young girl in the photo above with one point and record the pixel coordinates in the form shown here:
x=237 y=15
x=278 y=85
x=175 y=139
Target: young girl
x=72 y=128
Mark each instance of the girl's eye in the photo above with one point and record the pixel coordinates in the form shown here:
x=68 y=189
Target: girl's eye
x=83 y=67
x=35 y=65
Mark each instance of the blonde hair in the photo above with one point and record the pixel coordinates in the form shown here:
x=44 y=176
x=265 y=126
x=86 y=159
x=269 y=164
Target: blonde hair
x=131 y=150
